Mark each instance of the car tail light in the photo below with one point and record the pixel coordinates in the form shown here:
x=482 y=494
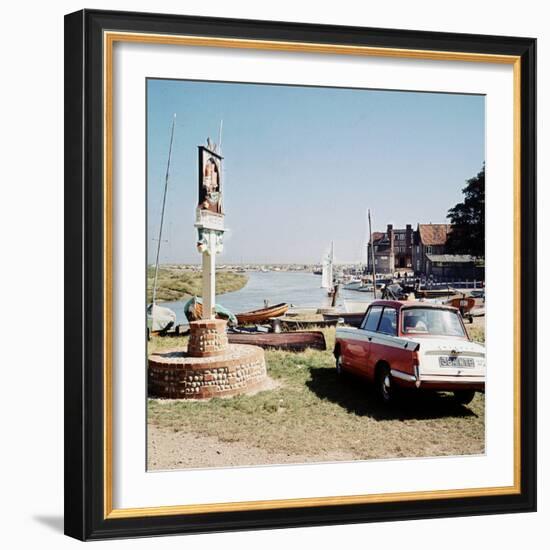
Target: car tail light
x=416 y=365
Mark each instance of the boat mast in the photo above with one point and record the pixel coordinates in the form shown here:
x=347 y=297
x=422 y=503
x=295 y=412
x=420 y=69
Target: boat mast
x=372 y=258
x=331 y=280
x=364 y=255
x=220 y=137
x=163 y=208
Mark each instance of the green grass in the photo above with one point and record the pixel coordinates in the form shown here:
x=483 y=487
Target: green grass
x=313 y=412
x=176 y=283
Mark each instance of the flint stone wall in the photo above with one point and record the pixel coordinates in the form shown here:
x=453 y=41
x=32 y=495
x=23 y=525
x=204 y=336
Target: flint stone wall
x=176 y=374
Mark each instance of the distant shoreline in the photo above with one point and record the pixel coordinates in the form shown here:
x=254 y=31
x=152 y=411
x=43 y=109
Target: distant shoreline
x=176 y=283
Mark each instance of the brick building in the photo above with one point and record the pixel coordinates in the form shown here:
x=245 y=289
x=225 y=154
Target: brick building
x=392 y=250
x=429 y=238
x=423 y=251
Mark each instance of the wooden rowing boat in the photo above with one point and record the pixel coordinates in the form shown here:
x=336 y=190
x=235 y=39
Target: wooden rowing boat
x=261 y=315
x=289 y=341
x=435 y=293
x=299 y=324
x=193 y=311
x=351 y=319
x=465 y=304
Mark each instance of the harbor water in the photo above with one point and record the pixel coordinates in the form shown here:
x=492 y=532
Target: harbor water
x=299 y=290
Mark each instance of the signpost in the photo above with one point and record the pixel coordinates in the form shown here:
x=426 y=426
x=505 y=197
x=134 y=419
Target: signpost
x=239 y=368
x=209 y=222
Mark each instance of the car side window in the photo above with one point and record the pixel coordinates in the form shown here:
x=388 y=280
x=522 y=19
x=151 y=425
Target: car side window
x=371 y=320
x=388 y=322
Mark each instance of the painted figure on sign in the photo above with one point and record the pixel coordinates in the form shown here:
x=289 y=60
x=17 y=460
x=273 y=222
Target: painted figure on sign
x=210 y=182
x=210 y=175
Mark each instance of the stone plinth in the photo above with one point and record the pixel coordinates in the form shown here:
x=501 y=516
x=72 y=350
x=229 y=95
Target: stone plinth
x=207 y=338
x=177 y=374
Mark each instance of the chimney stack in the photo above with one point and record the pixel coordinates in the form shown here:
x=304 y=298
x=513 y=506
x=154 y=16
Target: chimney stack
x=408 y=235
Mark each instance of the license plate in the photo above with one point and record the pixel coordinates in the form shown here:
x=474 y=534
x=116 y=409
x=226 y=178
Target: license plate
x=456 y=362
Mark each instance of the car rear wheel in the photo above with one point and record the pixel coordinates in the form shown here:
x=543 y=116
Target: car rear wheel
x=339 y=366
x=384 y=385
x=464 y=396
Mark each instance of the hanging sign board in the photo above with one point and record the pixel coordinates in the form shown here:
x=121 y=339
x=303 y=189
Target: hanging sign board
x=209 y=220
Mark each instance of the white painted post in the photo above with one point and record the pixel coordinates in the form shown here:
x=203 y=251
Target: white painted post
x=209 y=223
x=209 y=279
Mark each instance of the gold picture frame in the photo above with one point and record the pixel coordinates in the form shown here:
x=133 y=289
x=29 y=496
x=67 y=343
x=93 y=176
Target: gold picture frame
x=101 y=34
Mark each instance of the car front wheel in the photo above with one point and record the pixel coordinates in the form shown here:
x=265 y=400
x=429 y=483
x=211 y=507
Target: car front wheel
x=464 y=396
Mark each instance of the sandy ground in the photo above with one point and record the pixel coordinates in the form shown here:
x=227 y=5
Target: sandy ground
x=170 y=450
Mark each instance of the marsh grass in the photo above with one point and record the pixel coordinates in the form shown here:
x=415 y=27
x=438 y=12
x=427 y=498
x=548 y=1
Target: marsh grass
x=176 y=283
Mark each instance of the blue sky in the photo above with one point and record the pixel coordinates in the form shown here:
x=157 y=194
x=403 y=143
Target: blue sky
x=303 y=164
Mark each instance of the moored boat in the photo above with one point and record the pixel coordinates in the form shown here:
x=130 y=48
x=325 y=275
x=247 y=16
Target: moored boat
x=464 y=303
x=352 y=319
x=261 y=315
x=355 y=284
x=193 y=311
x=435 y=293
x=290 y=341
x=365 y=288
x=159 y=319
x=301 y=324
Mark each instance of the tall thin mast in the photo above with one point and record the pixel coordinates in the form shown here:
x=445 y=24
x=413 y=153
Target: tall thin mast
x=332 y=264
x=364 y=254
x=372 y=259
x=220 y=137
x=163 y=207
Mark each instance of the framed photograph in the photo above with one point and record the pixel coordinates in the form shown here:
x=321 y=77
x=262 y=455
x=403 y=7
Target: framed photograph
x=300 y=274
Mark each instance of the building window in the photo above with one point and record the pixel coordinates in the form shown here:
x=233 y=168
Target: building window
x=428 y=250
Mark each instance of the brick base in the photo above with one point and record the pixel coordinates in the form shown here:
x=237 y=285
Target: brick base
x=177 y=375
x=207 y=338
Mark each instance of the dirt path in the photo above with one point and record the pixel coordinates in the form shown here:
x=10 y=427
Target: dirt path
x=169 y=450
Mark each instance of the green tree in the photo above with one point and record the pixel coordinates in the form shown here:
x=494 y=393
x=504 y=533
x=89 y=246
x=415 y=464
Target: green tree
x=468 y=219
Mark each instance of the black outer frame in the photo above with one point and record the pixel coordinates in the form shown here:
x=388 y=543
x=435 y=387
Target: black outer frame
x=84 y=516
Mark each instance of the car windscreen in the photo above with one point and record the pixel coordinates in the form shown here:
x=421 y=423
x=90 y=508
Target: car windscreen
x=432 y=321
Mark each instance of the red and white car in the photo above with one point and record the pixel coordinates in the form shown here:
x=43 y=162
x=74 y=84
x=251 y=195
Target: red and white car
x=412 y=345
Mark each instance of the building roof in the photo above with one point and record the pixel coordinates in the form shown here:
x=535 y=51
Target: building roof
x=377 y=236
x=451 y=258
x=433 y=233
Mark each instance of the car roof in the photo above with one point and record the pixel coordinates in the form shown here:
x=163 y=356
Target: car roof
x=410 y=304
